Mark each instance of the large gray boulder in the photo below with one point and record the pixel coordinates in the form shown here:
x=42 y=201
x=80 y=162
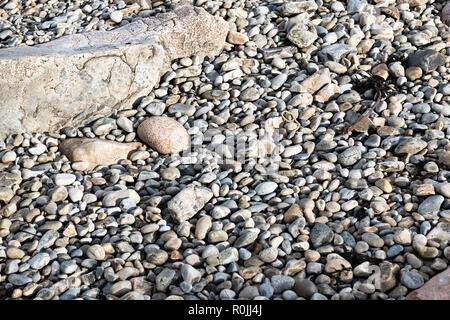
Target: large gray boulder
x=67 y=81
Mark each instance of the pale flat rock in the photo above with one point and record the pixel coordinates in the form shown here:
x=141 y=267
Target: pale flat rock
x=67 y=81
x=96 y=151
x=437 y=288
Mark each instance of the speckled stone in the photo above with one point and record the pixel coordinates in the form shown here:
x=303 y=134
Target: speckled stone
x=164 y=134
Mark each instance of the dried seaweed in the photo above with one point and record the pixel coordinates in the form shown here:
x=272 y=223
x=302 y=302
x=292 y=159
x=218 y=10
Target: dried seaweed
x=379 y=84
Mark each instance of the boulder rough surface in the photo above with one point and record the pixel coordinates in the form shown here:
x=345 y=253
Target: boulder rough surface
x=67 y=81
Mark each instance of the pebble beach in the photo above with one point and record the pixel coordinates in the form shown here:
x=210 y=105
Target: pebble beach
x=123 y=207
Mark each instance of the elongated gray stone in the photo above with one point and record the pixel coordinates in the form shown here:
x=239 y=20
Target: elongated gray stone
x=67 y=81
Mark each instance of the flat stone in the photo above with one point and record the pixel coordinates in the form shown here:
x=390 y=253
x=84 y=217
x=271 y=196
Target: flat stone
x=302 y=34
x=336 y=51
x=316 y=81
x=305 y=288
x=349 y=156
x=321 y=234
x=228 y=256
x=245 y=239
x=190 y=274
x=66 y=81
x=412 y=280
x=440 y=232
x=96 y=252
x=266 y=188
x=164 y=134
x=430 y=207
x=120 y=288
x=188 y=202
x=373 y=240
x=112 y=198
x=295 y=7
x=237 y=38
x=39 y=261
x=164 y=279
x=64 y=179
x=281 y=283
x=410 y=146
x=96 y=151
x=428 y=60
x=8 y=179
x=6 y=194
x=19 y=280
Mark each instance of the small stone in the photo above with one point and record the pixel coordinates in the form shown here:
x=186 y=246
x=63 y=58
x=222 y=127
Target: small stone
x=111 y=199
x=292 y=213
x=445 y=14
x=237 y=38
x=269 y=255
x=266 y=290
x=428 y=60
x=282 y=283
x=64 y=179
x=413 y=73
x=14 y=253
x=170 y=173
x=6 y=194
x=157 y=257
x=349 y=156
x=188 y=202
x=321 y=234
x=412 y=280
x=305 y=288
x=403 y=236
x=190 y=274
x=116 y=16
x=336 y=51
x=266 y=188
x=373 y=240
x=202 y=227
x=302 y=34
x=119 y=288
x=430 y=207
x=125 y=124
x=39 y=261
x=96 y=252
x=440 y=232
x=228 y=256
x=410 y=146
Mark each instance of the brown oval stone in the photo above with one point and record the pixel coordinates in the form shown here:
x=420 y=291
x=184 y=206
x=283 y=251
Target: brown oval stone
x=164 y=134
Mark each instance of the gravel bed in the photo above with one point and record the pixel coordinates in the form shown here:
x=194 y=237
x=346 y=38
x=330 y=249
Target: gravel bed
x=313 y=213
